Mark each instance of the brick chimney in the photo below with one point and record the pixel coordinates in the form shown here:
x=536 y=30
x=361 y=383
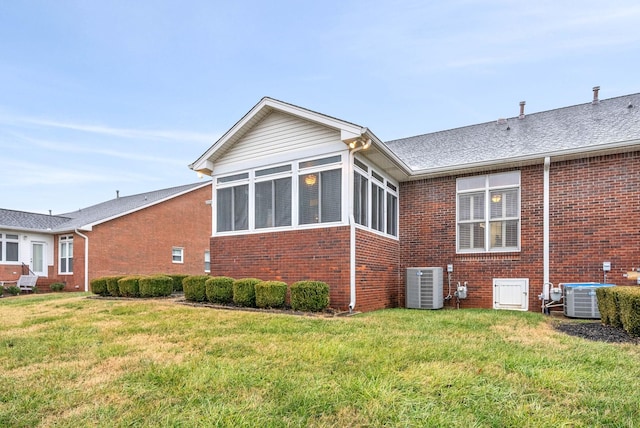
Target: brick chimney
x=522 y=103
x=595 y=95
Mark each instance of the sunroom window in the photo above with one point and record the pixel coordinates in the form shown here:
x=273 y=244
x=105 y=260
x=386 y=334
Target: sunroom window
x=273 y=197
x=232 y=204
x=375 y=199
x=488 y=213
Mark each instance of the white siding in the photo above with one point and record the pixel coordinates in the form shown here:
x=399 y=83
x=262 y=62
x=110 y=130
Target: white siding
x=280 y=134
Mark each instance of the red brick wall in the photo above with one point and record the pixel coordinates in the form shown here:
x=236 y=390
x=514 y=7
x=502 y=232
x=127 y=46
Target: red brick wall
x=141 y=242
x=428 y=239
x=313 y=254
x=377 y=271
x=595 y=217
x=7 y=272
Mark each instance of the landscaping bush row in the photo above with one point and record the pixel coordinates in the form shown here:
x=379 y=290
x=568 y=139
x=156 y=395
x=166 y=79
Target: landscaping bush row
x=620 y=307
x=134 y=285
x=308 y=296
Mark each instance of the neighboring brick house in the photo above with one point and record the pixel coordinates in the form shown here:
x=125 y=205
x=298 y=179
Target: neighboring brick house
x=510 y=204
x=164 y=231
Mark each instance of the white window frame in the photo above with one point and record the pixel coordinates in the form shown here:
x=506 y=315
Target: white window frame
x=484 y=187
x=298 y=169
x=65 y=253
x=177 y=252
x=5 y=239
x=378 y=180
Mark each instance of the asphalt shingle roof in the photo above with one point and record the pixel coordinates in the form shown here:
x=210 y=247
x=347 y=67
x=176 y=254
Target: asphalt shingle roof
x=582 y=127
x=90 y=215
x=11 y=219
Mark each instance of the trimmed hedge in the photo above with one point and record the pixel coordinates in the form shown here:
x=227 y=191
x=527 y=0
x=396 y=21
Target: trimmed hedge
x=177 y=280
x=129 y=286
x=244 y=292
x=156 y=286
x=112 y=285
x=620 y=307
x=270 y=294
x=309 y=296
x=194 y=288
x=608 y=306
x=629 y=300
x=99 y=286
x=219 y=289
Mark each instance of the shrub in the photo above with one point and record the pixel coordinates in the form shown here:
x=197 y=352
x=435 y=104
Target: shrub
x=1 y=290
x=194 y=288
x=312 y=296
x=177 y=280
x=155 y=286
x=14 y=290
x=112 y=285
x=629 y=300
x=244 y=292
x=609 y=306
x=99 y=286
x=270 y=294
x=129 y=286
x=219 y=289
x=57 y=286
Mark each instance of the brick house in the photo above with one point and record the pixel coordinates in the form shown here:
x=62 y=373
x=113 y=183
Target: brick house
x=164 y=231
x=510 y=205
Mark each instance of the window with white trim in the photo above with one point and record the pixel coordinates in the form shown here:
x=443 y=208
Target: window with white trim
x=273 y=197
x=488 y=213
x=177 y=255
x=9 y=247
x=280 y=196
x=319 y=191
x=232 y=203
x=375 y=199
x=65 y=251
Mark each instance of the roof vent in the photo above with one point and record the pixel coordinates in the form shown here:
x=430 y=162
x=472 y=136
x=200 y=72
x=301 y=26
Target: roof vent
x=522 y=103
x=630 y=105
x=595 y=95
x=117 y=194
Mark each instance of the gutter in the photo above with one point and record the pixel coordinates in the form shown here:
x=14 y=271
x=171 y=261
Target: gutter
x=352 y=228
x=86 y=259
x=545 y=225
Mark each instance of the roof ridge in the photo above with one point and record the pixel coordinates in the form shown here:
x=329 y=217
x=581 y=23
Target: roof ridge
x=601 y=101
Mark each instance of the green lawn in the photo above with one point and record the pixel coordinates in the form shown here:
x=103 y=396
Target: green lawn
x=70 y=361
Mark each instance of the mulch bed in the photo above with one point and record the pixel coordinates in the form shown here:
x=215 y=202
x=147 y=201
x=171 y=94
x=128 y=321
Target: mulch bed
x=596 y=331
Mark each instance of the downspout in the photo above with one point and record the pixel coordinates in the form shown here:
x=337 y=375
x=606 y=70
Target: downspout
x=352 y=228
x=86 y=259
x=545 y=228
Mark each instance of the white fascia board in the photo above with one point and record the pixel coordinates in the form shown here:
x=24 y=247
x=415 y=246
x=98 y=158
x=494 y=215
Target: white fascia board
x=519 y=161
x=384 y=150
x=347 y=130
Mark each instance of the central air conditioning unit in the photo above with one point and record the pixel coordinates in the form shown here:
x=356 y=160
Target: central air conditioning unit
x=580 y=299
x=424 y=288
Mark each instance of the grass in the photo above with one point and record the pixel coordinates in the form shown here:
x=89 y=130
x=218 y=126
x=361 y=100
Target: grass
x=69 y=361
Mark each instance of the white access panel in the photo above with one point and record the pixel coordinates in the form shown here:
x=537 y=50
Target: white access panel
x=511 y=294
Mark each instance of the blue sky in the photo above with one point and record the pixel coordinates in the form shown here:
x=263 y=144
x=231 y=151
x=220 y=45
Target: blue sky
x=99 y=96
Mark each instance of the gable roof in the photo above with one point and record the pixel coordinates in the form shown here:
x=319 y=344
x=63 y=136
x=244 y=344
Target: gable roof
x=86 y=218
x=569 y=132
x=348 y=132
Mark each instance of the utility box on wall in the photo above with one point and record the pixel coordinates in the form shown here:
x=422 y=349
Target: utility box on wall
x=424 y=288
